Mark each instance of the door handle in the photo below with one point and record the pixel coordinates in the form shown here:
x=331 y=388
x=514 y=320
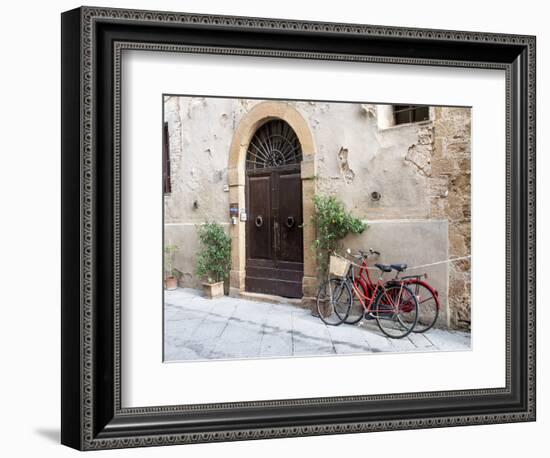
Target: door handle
x=290 y=222
x=259 y=221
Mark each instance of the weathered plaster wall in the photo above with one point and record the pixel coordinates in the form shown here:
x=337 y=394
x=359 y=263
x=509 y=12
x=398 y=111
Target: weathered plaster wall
x=416 y=169
x=200 y=133
x=354 y=158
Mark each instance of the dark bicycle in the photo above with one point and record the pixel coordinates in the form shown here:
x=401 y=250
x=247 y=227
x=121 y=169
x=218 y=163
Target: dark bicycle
x=392 y=304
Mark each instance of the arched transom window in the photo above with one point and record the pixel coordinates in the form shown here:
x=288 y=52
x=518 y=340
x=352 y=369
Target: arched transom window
x=274 y=144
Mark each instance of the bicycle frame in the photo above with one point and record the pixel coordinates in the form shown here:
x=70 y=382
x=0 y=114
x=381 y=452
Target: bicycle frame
x=369 y=286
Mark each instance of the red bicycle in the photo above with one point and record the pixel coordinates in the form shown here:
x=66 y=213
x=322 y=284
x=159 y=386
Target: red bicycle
x=426 y=296
x=392 y=304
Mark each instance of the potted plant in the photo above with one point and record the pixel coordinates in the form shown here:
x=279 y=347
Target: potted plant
x=214 y=258
x=170 y=273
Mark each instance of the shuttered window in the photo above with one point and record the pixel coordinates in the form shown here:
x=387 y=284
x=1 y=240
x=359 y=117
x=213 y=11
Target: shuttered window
x=166 y=184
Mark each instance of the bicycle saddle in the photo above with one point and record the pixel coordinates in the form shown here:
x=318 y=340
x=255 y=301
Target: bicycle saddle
x=399 y=267
x=384 y=267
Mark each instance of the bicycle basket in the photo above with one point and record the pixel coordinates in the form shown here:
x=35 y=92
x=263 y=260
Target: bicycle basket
x=338 y=266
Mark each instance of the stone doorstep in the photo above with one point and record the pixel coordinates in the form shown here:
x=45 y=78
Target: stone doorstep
x=271 y=298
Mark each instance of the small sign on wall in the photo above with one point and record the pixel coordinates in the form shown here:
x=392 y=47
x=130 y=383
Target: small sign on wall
x=233 y=210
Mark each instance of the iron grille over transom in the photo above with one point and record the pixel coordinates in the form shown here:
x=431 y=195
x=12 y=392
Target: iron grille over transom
x=274 y=144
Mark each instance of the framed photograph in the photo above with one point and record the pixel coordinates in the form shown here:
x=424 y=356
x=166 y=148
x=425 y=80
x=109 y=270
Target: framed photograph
x=276 y=228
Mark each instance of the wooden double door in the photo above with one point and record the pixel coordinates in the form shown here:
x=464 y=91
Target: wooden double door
x=274 y=235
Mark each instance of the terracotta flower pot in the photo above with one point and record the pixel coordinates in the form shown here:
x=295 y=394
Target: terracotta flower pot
x=171 y=283
x=213 y=290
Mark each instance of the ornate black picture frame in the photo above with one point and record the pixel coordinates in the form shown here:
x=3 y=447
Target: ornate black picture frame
x=92 y=41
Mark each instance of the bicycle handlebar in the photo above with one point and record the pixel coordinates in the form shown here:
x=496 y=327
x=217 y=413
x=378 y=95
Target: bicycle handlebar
x=360 y=254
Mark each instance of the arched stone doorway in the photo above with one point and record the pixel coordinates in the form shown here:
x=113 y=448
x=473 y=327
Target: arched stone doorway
x=259 y=115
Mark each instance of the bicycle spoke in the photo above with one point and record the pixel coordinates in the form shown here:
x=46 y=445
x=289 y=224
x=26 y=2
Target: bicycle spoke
x=334 y=301
x=428 y=307
x=401 y=311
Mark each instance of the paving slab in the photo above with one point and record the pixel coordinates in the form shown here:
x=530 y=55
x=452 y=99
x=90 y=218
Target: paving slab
x=348 y=339
x=308 y=338
x=419 y=340
x=276 y=336
x=197 y=328
x=449 y=340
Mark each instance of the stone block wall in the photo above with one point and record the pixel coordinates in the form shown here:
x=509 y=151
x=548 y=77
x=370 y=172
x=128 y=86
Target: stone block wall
x=450 y=198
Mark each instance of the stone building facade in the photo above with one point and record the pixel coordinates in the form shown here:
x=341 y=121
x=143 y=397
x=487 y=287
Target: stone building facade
x=409 y=181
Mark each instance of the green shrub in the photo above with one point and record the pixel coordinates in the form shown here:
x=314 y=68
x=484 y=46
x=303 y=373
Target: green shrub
x=169 y=256
x=332 y=223
x=214 y=258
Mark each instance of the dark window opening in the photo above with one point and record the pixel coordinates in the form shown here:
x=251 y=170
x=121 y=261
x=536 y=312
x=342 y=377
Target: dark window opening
x=166 y=184
x=405 y=114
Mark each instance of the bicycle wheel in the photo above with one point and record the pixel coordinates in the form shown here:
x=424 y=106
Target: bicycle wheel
x=428 y=306
x=357 y=312
x=334 y=301
x=396 y=310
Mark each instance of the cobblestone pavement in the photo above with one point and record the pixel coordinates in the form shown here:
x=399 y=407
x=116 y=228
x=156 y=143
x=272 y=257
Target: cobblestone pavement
x=197 y=328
